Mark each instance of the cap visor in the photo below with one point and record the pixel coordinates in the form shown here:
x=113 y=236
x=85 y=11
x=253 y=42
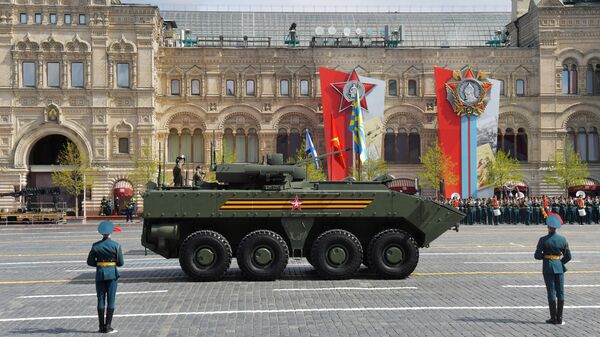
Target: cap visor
x=117 y=229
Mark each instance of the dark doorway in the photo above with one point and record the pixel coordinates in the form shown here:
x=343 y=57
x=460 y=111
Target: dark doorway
x=42 y=158
x=46 y=150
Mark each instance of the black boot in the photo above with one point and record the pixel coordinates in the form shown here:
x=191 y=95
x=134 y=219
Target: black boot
x=559 y=312
x=552 y=306
x=102 y=327
x=109 y=316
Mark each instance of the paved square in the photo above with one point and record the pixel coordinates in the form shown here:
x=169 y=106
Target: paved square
x=481 y=281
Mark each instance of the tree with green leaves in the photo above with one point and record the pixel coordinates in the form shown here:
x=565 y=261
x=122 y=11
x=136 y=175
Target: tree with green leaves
x=502 y=170
x=75 y=174
x=312 y=173
x=436 y=166
x=372 y=168
x=565 y=169
x=145 y=167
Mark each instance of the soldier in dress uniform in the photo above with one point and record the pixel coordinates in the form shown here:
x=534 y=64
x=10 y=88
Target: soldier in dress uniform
x=129 y=211
x=493 y=206
x=199 y=176
x=588 y=210
x=106 y=255
x=553 y=249
x=596 y=210
x=177 y=174
x=103 y=206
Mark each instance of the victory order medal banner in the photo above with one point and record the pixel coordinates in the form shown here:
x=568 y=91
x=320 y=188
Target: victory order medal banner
x=467 y=94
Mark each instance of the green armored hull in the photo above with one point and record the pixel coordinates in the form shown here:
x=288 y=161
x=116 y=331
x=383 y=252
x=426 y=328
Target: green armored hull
x=337 y=226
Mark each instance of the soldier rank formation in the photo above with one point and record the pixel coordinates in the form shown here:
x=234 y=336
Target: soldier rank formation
x=528 y=211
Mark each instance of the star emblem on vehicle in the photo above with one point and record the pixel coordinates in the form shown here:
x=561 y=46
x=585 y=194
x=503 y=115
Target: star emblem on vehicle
x=296 y=203
x=345 y=90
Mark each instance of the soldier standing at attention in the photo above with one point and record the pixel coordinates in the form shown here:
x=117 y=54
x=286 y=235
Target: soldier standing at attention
x=106 y=255
x=553 y=249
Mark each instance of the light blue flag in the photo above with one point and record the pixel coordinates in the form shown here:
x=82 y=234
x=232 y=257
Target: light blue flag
x=357 y=127
x=310 y=149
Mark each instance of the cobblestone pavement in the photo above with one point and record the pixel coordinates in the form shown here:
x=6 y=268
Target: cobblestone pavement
x=481 y=281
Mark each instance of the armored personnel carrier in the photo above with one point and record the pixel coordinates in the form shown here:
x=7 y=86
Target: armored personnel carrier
x=264 y=214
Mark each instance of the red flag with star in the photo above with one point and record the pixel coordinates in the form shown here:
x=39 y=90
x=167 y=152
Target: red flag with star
x=333 y=122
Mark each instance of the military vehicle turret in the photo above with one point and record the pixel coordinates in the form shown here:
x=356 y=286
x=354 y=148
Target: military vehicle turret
x=264 y=214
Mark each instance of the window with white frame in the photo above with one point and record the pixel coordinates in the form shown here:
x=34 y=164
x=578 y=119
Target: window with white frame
x=29 y=74
x=304 y=88
x=250 y=90
x=520 y=87
x=230 y=87
x=284 y=88
x=195 y=87
x=53 y=74
x=77 y=75
x=175 y=87
x=123 y=75
x=123 y=145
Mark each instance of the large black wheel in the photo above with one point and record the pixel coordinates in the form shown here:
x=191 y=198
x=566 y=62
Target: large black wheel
x=262 y=255
x=205 y=255
x=336 y=254
x=393 y=253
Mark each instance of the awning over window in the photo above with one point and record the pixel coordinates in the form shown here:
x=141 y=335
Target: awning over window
x=590 y=184
x=404 y=185
x=123 y=188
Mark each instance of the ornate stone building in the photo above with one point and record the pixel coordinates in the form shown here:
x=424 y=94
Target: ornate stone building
x=116 y=78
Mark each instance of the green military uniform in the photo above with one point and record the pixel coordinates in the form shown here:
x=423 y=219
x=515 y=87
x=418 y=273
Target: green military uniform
x=106 y=255
x=553 y=249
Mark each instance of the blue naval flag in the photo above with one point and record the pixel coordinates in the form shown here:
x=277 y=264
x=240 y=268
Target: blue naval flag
x=310 y=149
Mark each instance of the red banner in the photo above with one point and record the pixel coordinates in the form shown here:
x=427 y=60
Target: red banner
x=335 y=124
x=448 y=128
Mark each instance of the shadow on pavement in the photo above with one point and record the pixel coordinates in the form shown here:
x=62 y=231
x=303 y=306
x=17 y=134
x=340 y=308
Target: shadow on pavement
x=55 y=331
x=292 y=273
x=499 y=320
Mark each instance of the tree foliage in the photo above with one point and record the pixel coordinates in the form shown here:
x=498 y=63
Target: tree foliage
x=502 y=170
x=565 y=169
x=372 y=168
x=74 y=174
x=312 y=173
x=145 y=167
x=436 y=166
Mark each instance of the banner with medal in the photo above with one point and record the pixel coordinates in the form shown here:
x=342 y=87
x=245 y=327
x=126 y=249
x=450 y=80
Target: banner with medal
x=465 y=136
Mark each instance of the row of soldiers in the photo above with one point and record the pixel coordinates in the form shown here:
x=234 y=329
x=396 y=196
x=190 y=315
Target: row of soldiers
x=527 y=210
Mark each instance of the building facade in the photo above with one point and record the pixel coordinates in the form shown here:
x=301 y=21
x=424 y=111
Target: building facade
x=115 y=78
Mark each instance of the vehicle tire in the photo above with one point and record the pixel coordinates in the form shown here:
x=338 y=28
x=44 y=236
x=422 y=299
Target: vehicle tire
x=262 y=255
x=393 y=253
x=205 y=255
x=336 y=254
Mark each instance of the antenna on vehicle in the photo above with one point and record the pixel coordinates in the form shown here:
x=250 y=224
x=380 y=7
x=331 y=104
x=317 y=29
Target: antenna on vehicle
x=159 y=166
x=213 y=155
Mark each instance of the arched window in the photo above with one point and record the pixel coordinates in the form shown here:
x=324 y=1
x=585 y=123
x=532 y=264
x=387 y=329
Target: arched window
x=593 y=78
x=569 y=79
x=284 y=88
x=230 y=88
x=389 y=145
x=282 y=143
x=197 y=147
x=196 y=87
x=304 y=88
x=521 y=145
x=414 y=146
x=250 y=88
x=252 y=146
x=581 y=144
x=240 y=146
x=402 y=146
x=520 y=86
x=592 y=144
x=173 y=145
x=186 y=144
x=295 y=142
x=571 y=138
x=175 y=89
x=501 y=87
x=509 y=142
x=412 y=88
x=392 y=88
x=228 y=146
